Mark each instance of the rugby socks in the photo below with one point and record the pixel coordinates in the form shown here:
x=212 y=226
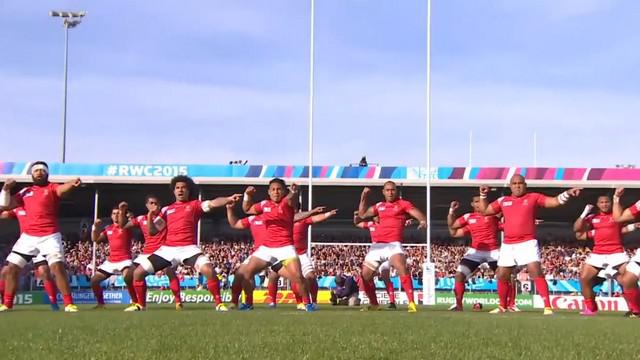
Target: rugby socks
x=591 y=305
x=51 y=290
x=391 y=292
x=174 y=285
x=631 y=296
x=512 y=295
x=68 y=298
x=214 y=288
x=503 y=292
x=132 y=294
x=296 y=292
x=272 y=288
x=1 y=290
x=543 y=290
x=407 y=285
x=369 y=288
x=458 y=290
x=140 y=287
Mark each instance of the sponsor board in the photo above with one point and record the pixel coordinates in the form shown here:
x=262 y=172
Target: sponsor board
x=577 y=303
x=522 y=301
x=87 y=297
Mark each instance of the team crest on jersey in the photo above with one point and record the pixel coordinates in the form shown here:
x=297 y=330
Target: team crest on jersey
x=188 y=208
x=525 y=202
x=266 y=209
x=472 y=221
x=382 y=208
x=595 y=221
x=28 y=193
x=507 y=203
x=46 y=192
x=109 y=232
x=171 y=211
x=22 y=213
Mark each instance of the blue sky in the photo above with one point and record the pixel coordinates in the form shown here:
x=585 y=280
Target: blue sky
x=213 y=81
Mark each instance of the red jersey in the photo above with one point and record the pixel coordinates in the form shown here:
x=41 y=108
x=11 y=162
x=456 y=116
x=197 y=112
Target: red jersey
x=519 y=216
x=182 y=222
x=372 y=226
x=278 y=220
x=483 y=230
x=41 y=204
x=258 y=230
x=119 y=243
x=605 y=233
x=151 y=242
x=392 y=217
x=635 y=209
x=300 y=232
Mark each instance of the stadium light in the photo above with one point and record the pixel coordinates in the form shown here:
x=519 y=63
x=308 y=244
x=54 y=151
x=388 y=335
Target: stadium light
x=71 y=20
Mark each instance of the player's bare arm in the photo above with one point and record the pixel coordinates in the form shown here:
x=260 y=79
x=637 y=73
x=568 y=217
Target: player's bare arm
x=96 y=229
x=364 y=210
x=68 y=187
x=580 y=225
x=563 y=198
x=8 y=202
x=484 y=207
x=221 y=201
x=233 y=220
x=452 y=223
x=247 y=199
x=620 y=215
x=305 y=214
x=292 y=196
x=324 y=216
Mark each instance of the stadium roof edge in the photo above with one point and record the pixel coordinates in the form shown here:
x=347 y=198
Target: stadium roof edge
x=328 y=175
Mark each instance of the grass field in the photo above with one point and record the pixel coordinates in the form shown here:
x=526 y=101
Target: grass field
x=198 y=332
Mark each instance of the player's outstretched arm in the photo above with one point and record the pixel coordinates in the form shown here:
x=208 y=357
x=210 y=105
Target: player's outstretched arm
x=247 y=199
x=324 y=216
x=68 y=187
x=553 y=202
x=580 y=225
x=630 y=228
x=301 y=215
x=8 y=202
x=418 y=215
x=96 y=232
x=220 y=202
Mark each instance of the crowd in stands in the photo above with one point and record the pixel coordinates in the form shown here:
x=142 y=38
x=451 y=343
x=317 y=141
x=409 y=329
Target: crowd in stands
x=561 y=260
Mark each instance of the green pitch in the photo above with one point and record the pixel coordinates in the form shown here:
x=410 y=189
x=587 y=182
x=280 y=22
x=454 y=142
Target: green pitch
x=34 y=332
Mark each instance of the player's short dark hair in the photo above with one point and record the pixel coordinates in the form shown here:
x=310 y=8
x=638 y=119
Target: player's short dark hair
x=150 y=196
x=389 y=182
x=191 y=185
x=115 y=207
x=278 y=181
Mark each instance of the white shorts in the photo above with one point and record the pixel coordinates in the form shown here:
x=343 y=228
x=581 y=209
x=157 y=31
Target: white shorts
x=275 y=255
x=178 y=254
x=39 y=258
x=306 y=264
x=140 y=258
x=634 y=265
x=381 y=252
x=602 y=261
x=519 y=254
x=476 y=257
x=49 y=246
x=385 y=266
x=114 y=267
